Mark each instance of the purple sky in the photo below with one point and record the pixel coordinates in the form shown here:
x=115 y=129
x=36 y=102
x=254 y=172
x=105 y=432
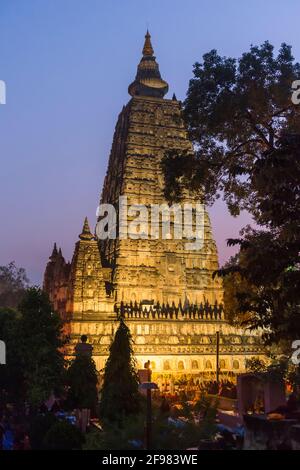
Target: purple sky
x=67 y=65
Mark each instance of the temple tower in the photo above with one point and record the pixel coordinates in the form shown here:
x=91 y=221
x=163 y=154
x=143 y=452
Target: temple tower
x=147 y=269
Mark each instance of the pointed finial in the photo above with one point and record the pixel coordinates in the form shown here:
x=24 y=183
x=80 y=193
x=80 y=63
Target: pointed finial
x=60 y=252
x=86 y=233
x=174 y=97
x=148 y=81
x=54 y=252
x=148 y=49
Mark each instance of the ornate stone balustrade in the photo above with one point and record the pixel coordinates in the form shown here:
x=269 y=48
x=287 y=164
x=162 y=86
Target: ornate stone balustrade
x=173 y=312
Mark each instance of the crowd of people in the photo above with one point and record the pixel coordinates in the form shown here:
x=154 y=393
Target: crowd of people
x=13 y=432
x=224 y=388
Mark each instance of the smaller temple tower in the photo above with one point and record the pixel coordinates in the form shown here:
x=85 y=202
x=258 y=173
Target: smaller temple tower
x=56 y=280
x=87 y=293
x=78 y=287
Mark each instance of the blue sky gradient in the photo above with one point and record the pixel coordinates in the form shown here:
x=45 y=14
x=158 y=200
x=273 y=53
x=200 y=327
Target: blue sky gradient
x=67 y=65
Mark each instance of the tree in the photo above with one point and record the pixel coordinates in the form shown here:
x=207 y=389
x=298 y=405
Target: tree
x=235 y=111
x=119 y=395
x=235 y=287
x=82 y=379
x=12 y=373
x=41 y=340
x=35 y=364
x=265 y=276
x=13 y=283
x=246 y=135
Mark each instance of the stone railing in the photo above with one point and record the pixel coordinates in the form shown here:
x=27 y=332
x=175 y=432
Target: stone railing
x=158 y=311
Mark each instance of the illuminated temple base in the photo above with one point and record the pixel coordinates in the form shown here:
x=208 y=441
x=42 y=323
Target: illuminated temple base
x=184 y=347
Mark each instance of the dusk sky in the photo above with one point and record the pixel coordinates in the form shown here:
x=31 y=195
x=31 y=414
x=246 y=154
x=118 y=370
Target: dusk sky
x=67 y=65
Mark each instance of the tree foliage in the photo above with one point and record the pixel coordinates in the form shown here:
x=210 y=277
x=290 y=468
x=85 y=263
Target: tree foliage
x=41 y=341
x=165 y=434
x=13 y=282
x=119 y=395
x=82 y=380
x=12 y=373
x=246 y=135
x=33 y=337
x=235 y=110
x=276 y=369
x=263 y=282
x=38 y=428
x=63 y=436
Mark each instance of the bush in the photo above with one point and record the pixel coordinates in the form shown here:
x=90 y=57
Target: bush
x=39 y=427
x=63 y=436
x=128 y=435
x=165 y=435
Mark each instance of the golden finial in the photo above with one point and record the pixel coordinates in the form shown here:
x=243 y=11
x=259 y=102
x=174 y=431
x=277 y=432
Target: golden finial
x=86 y=233
x=148 y=81
x=148 y=49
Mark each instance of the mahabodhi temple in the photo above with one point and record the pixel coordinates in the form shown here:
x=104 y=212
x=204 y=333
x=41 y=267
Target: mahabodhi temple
x=165 y=292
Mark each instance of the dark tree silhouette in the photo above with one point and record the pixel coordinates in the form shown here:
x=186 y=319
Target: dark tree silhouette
x=34 y=338
x=41 y=340
x=119 y=395
x=13 y=283
x=262 y=284
x=235 y=110
x=82 y=379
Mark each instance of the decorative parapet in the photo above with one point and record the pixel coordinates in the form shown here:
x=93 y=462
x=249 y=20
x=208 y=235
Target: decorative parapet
x=156 y=311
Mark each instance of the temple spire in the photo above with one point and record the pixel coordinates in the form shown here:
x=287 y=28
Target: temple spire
x=148 y=81
x=148 y=49
x=86 y=233
x=54 y=252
